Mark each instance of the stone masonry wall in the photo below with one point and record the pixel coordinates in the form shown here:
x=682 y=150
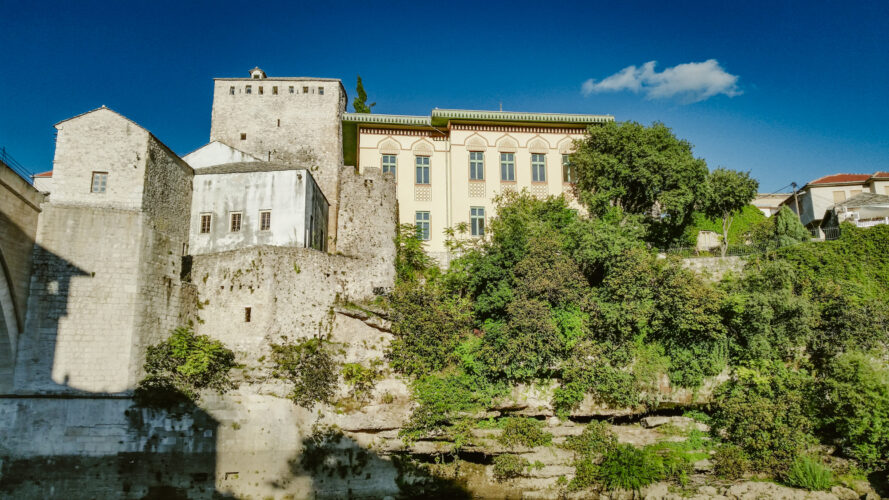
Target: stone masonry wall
x=100 y=141
x=82 y=307
x=19 y=210
x=303 y=128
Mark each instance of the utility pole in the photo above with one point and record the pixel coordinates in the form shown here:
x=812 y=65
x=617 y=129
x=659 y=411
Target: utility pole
x=796 y=200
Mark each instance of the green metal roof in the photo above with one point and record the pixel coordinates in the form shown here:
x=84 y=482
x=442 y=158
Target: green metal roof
x=445 y=115
x=441 y=117
x=387 y=119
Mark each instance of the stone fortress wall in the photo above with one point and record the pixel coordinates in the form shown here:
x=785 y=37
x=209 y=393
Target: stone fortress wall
x=19 y=212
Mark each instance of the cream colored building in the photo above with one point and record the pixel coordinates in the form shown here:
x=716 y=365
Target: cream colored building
x=450 y=166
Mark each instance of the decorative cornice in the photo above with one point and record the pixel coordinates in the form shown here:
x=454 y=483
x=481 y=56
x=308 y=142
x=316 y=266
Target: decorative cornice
x=422 y=121
x=516 y=116
x=518 y=128
x=390 y=131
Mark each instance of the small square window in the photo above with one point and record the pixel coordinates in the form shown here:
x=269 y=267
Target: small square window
x=265 y=220
x=248 y=89
x=305 y=90
x=321 y=90
x=205 y=223
x=243 y=136
x=274 y=90
x=247 y=314
x=291 y=89
x=235 y=222
x=260 y=90
x=231 y=90
x=100 y=182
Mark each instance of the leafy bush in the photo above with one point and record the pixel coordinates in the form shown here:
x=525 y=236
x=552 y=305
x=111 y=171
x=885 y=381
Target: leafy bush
x=508 y=466
x=626 y=467
x=428 y=323
x=310 y=366
x=599 y=370
x=806 y=472
x=596 y=439
x=177 y=369
x=362 y=379
x=730 y=462
x=767 y=413
x=518 y=431
x=445 y=399
x=856 y=407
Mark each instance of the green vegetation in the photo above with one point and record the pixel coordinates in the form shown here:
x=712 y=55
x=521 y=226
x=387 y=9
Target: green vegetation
x=578 y=301
x=359 y=103
x=508 y=466
x=177 y=369
x=361 y=379
x=807 y=472
x=310 y=366
x=526 y=432
x=729 y=191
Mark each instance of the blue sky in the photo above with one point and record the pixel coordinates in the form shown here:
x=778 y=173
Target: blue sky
x=809 y=90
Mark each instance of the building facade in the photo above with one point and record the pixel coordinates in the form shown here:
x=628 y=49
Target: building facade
x=817 y=196
x=450 y=166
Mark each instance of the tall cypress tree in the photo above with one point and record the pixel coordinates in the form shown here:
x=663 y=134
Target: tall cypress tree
x=360 y=102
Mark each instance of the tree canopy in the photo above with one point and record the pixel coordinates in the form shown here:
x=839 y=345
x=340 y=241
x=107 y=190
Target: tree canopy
x=729 y=191
x=643 y=170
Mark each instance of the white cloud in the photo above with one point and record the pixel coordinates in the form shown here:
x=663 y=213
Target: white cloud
x=692 y=82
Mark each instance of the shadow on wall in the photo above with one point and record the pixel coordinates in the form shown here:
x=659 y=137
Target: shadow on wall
x=74 y=444
x=339 y=467
x=14 y=282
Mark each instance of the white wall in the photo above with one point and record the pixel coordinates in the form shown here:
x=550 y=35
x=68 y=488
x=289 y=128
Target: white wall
x=216 y=153
x=283 y=192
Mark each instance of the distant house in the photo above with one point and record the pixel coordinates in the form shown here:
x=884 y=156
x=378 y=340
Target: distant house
x=816 y=197
x=769 y=204
x=863 y=210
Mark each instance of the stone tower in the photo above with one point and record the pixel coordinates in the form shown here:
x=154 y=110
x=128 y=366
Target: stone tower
x=287 y=120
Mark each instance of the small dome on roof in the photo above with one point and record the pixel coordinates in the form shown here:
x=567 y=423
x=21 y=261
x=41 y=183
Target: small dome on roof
x=257 y=73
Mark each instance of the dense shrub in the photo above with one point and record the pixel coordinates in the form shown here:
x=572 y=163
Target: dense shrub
x=730 y=462
x=508 y=466
x=596 y=439
x=626 y=467
x=518 y=431
x=767 y=413
x=177 y=369
x=310 y=366
x=856 y=407
x=807 y=472
x=427 y=322
x=445 y=399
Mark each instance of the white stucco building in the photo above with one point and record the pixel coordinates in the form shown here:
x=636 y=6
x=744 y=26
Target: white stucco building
x=817 y=196
x=239 y=205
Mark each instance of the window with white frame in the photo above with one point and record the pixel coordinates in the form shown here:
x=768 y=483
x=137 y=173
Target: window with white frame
x=235 y=225
x=389 y=163
x=477 y=220
x=422 y=170
x=422 y=220
x=206 y=219
x=265 y=220
x=538 y=167
x=568 y=173
x=100 y=182
x=507 y=166
x=476 y=165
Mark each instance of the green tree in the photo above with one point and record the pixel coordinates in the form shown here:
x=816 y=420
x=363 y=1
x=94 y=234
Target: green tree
x=729 y=192
x=643 y=170
x=360 y=102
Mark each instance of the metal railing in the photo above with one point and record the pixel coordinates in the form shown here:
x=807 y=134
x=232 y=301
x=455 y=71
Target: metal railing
x=15 y=166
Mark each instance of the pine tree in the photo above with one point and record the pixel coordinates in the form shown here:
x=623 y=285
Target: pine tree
x=360 y=102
